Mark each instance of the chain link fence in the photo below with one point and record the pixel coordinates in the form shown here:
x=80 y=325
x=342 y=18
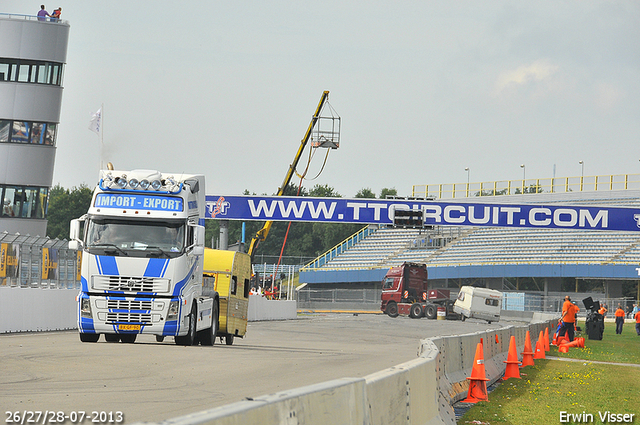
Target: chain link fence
x=37 y=262
x=369 y=299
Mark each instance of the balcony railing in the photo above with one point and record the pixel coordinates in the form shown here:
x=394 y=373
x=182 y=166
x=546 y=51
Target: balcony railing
x=32 y=18
x=516 y=187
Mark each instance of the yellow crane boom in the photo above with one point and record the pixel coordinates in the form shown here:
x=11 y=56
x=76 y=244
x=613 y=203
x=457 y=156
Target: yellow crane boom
x=264 y=232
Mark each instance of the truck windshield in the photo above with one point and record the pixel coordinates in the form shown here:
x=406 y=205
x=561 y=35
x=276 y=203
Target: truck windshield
x=387 y=283
x=134 y=238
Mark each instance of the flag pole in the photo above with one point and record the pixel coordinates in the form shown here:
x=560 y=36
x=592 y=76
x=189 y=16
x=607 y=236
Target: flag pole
x=101 y=135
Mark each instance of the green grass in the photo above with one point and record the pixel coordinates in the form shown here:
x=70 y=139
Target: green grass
x=623 y=348
x=553 y=386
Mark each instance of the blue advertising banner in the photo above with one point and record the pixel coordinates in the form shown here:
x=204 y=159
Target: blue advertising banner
x=382 y=211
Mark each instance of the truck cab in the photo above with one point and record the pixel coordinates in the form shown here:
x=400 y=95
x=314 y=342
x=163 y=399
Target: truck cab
x=142 y=243
x=406 y=283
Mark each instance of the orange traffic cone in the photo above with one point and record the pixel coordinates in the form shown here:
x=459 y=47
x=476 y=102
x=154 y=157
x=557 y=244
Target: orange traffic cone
x=539 y=353
x=562 y=340
x=527 y=353
x=578 y=343
x=478 y=385
x=563 y=349
x=512 y=362
x=546 y=339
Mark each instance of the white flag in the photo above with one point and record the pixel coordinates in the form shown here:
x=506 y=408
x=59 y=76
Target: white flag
x=94 y=124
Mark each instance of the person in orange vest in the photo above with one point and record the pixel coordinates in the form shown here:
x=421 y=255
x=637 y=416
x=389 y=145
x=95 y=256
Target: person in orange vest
x=619 y=319
x=637 y=317
x=603 y=310
x=569 y=311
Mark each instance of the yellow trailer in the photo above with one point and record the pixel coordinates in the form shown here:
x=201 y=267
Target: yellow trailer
x=229 y=274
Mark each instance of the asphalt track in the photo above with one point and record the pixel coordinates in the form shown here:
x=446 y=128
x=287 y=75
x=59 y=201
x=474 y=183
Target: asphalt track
x=150 y=381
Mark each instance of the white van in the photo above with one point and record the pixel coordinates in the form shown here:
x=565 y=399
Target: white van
x=479 y=303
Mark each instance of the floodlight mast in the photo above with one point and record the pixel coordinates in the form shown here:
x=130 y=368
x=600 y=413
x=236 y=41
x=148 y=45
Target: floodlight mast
x=264 y=232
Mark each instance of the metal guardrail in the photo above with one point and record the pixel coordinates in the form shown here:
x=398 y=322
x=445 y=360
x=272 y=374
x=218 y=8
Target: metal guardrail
x=512 y=300
x=452 y=264
x=36 y=262
x=517 y=187
x=33 y=18
x=340 y=248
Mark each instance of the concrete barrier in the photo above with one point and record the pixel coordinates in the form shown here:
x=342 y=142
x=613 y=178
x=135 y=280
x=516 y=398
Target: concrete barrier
x=421 y=391
x=260 y=308
x=35 y=309
x=340 y=401
x=403 y=394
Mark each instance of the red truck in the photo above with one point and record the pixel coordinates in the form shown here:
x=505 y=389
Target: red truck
x=405 y=291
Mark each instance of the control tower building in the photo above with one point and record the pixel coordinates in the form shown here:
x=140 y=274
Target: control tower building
x=33 y=53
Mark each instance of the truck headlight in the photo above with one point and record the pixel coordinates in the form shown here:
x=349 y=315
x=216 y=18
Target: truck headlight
x=172 y=314
x=85 y=308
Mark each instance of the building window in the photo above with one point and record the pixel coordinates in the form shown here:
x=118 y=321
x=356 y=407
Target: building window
x=4 y=131
x=50 y=137
x=30 y=71
x=4 y=71
x=20 y=133
x=40 y=133
x=24 y=202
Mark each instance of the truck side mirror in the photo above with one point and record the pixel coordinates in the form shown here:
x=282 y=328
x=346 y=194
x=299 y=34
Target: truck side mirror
x=198 y=239
x=75 y=243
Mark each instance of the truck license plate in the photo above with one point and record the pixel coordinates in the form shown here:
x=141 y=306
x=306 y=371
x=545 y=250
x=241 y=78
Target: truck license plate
x=128 y=327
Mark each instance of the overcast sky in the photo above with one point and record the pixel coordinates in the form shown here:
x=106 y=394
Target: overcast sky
x=424 y=89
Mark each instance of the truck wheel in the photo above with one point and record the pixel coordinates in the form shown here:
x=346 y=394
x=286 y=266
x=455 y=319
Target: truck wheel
x=159 y=338
x=112 y=337
x=392 y=309
x=430 y=311
x=463 y=317
x=416 y=311
x=190 y=337
x=128 y=338
x=89 y=337
x=208 y=336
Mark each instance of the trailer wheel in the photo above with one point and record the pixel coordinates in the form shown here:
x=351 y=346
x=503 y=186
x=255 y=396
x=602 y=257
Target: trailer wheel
x=416 y=311
x=89 y=337
x=190 y=337
x=228 y=339
x=392 y=309
x=430 y=311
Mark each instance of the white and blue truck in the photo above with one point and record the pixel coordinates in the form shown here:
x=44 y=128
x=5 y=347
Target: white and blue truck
x=142 y=244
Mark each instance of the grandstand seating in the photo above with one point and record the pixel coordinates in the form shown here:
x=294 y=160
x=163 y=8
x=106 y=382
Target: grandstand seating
x=506 y=245
x=443 y=246
x=489 y=245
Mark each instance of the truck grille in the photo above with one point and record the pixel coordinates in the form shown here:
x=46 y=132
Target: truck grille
x=128 y=318
x=129 y=305
x=130 y=284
